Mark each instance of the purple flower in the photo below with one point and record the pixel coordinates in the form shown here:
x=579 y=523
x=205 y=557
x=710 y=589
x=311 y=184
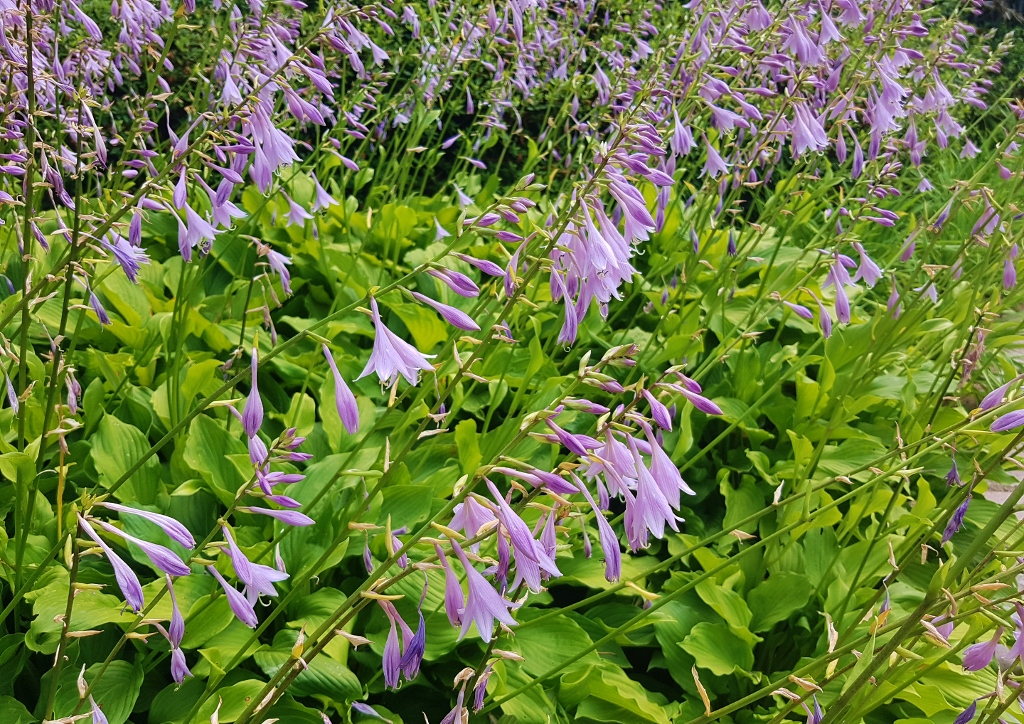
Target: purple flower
x=483 y=604
x=252 y=414
x=570 y=441
x=978 y=656
x=454 y=603
x=278 y=263
x=239 y=605
x=101 y=313
x=480 y=689
x=659 y=412
x=800 y=310
x=393 y=356
x=179 y=668
x=1009 y=421
x=97 y=716
x=439 y=231
x=127 y=581
x=953 y=476
x=455 y=317
x=650 y=511
x=415 y=646
x=816 y=715
x=531 y=558
x=715 y=165
x=967 y=714
x=344 y=400
x=487 y=267
x=322 y=199
x=956 y=520
x=996 y=396
x=129 y=257
x=297 y=216
x=392 y=658
x=160 y=556
x=258 y=579
x=609 y=540
x=456 y=281
x=176 y=627
x=174 y=529
x=868 y=270
x=288 y=517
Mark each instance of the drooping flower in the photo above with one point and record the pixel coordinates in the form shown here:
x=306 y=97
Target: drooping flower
x=608 y=539
x=160 y=556
x=454 y=602
x=978 y=656
x=392 y=356
x=242 y=609
x=344 y=400
x=126 y=579
x=177 y=532
x=252 y=414
x=1009 y=421
x=455 y=317
x=98 y=717
x=483 y=604
x=956 y=521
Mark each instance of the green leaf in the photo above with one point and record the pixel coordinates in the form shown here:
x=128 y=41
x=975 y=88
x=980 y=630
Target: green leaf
x=233 y=700
x=468 y=442
x=116 y=691
x=614 y=697
x=13 y=711
x=206 y=451
x=777 y=598
x=716 y=648
x=323 y=677
x=116 y=446
x=727 y=604
x=534 y=642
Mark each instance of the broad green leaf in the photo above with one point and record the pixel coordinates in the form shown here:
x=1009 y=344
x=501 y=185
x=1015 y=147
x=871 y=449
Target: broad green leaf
x=116 y=447
x=324 y=676
x=716 y=648
x=777 y=598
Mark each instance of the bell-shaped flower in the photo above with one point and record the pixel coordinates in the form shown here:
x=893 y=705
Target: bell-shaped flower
x=455 y=317
x=344 y=400
x=393 y=356
x=454 y=602
x=175 y=530
x=252 y=414
x=483 y=604
x=126 y=579
x=242 y=609
x=160 y=556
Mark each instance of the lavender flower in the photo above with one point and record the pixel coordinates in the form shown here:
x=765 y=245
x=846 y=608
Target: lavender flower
x=252 y=414
x=344 y=400
x=456 y=281
x=978 y=656
x=1009 y=421
x=996 y=396
x=393 y=356
x=242 y=609
x=967 y=714
x=126 y=579
x=454 y=603
x=98 y=716
x=455 y=317
x=160 y=556
x=483 y=604
x=956 y=520
x=177 y=532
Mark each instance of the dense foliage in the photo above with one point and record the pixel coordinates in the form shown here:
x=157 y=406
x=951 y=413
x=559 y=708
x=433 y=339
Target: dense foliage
x=545 y=360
